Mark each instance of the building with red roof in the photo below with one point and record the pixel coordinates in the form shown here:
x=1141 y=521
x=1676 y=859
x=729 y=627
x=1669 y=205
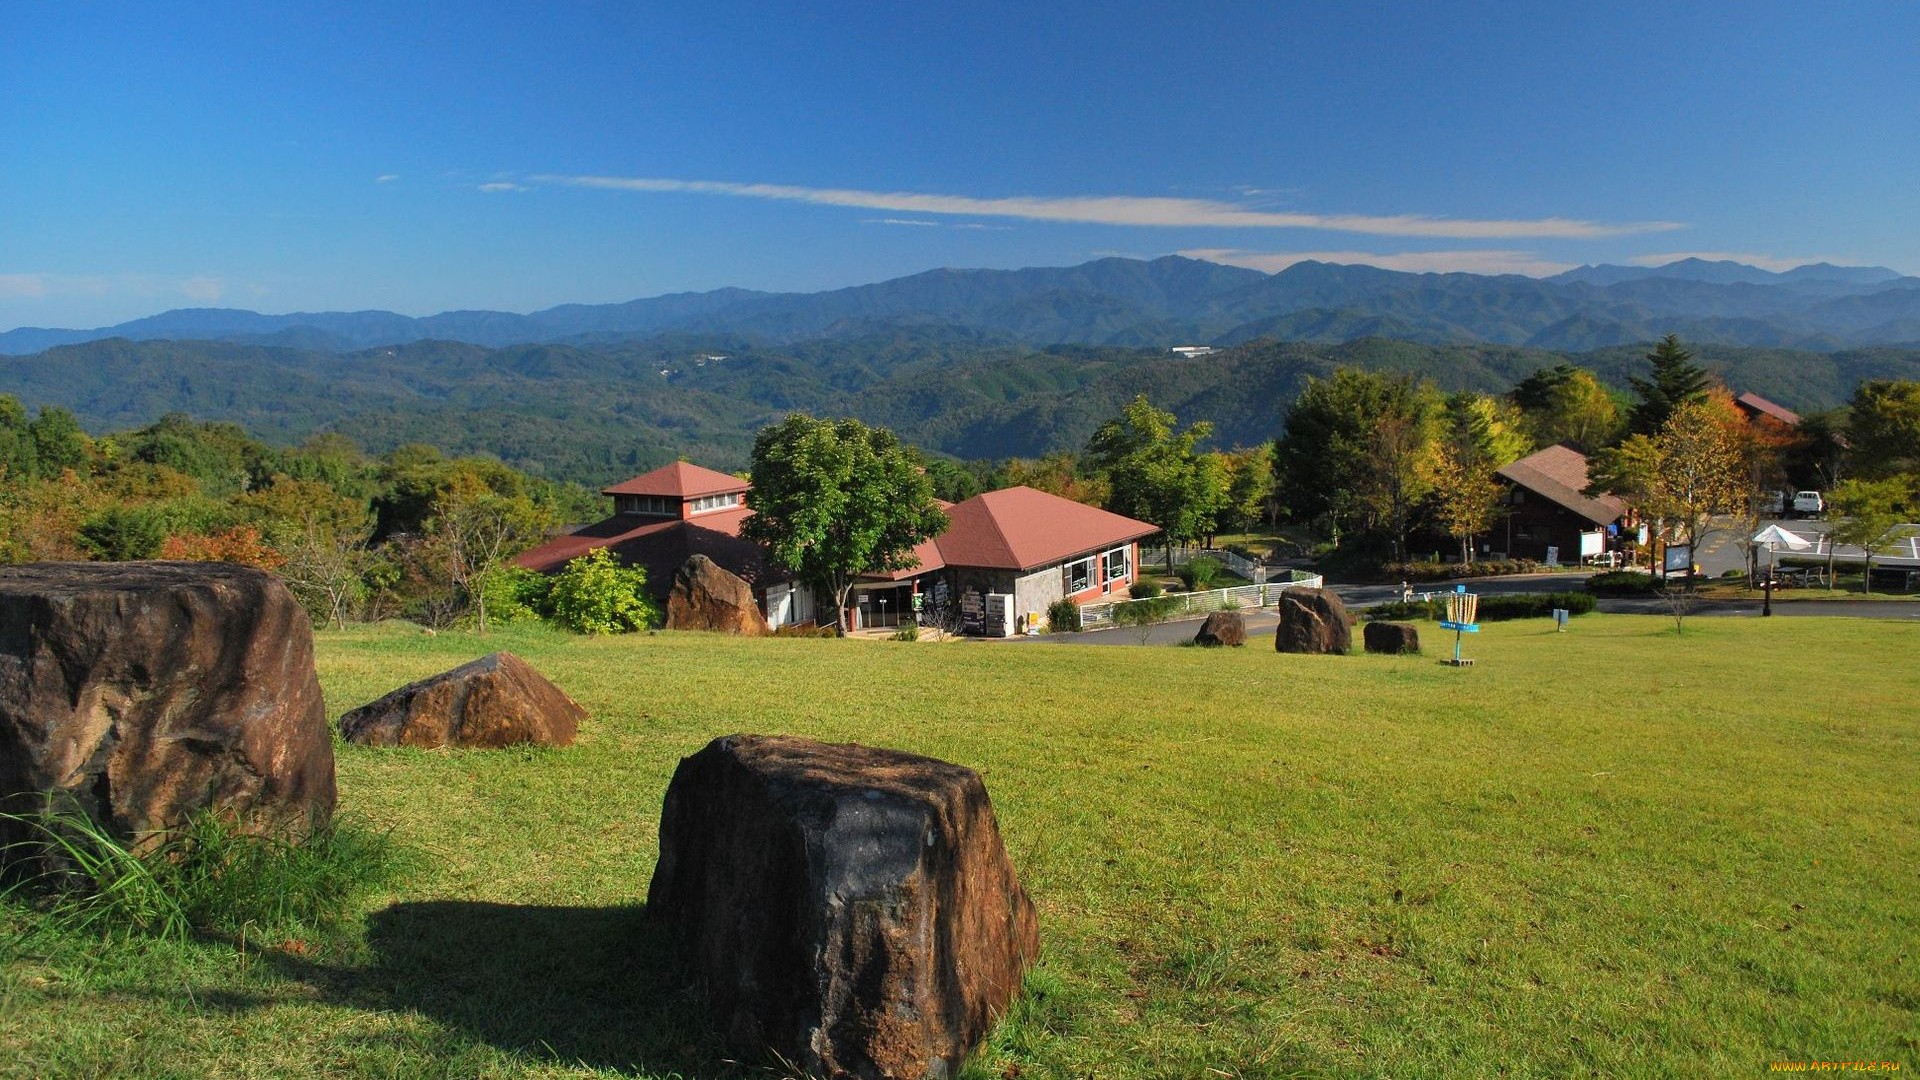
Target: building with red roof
x=1024 y=546
x=1755 y=406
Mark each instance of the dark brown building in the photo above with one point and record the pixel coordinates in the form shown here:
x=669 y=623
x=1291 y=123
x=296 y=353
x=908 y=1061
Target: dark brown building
x=1547 y=517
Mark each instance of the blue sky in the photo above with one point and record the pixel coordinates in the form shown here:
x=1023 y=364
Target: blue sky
x=421 y=158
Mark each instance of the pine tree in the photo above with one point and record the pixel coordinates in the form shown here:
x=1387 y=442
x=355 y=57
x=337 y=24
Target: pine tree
x=1676 y=380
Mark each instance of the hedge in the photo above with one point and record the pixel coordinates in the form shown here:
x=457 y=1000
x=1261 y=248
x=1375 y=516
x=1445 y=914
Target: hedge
x=1493 y=608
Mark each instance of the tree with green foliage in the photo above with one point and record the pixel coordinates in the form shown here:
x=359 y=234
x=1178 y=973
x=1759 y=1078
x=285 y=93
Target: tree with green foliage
x=1675 y=381
x=58 y=442
x=1353 y=450
x=18 y=460
x=1567 y=404
x=1869 y=515
x=121 y=534
x=594 y=594
x=1250 y=486
x=1154 y=473
x=1485 y=429
x=834 y=499
x=1884 y=427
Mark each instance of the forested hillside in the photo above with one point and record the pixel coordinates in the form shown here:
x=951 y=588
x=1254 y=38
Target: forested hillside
x=596 y=412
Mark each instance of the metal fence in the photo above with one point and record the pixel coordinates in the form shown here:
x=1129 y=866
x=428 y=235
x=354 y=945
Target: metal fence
x=1094 y=616
x=1239 y=564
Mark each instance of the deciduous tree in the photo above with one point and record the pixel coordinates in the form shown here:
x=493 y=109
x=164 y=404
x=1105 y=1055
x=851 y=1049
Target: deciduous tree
x=833 y=499
x=1155 y=474
x=1867 y=514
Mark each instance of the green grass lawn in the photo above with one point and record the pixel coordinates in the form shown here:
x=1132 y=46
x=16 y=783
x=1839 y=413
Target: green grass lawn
x=1611 y=852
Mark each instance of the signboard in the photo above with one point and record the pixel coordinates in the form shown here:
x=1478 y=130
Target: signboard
x=1679 y=559
x=1553 y=556
x=1592 y=543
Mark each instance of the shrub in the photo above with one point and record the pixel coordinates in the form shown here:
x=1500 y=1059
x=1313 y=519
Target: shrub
x=1144 y=589
x=1063 y=617
x=1199 y=573
x=516 y=594
x=909 y=632
x=208 y=876
x=1623 y=583
x=596 y=595
x=118 y=534
x=1423 y=570
x=1492 y=608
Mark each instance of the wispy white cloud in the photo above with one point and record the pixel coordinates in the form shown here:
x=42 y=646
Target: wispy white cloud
x=900 y=221
x=386 y=178
x=1472 y=261
x=503 y=185
x=1127 y=210
x=1775 y=263
x=23 y=285
x=203 y=288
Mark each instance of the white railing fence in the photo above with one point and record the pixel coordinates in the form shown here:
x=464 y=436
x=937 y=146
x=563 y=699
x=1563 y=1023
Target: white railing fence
x=1094 y=616
x=1905 y=548
x=1239 y=564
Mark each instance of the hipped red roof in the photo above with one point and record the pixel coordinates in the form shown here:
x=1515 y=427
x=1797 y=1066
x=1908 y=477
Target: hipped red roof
x=681 y=479
x=1019 y=528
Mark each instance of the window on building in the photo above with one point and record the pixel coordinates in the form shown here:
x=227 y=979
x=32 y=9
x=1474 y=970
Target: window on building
x=647 y=504
x=1117 y=563
x=716 y=502
x=1079 y=575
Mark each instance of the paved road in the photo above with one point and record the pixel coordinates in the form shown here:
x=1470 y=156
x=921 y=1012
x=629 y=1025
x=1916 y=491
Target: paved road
x=1260 y=624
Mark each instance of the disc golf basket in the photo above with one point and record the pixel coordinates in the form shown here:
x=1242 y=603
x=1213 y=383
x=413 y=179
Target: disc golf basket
x=1462 y=608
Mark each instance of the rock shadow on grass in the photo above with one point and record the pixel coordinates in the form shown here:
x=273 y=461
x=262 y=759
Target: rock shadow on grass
x=594 y=986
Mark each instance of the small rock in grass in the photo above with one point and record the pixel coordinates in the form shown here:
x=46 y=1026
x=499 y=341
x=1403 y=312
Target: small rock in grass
x=487 y=703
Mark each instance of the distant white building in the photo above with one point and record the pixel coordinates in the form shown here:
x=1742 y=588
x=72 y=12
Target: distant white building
x=1190 y=351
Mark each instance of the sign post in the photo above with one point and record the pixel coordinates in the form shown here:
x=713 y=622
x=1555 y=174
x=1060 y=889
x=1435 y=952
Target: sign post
x=1462 y=608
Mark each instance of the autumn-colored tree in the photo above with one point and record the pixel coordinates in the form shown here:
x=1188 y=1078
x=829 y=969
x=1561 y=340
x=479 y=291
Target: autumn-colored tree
x=1567 y=404
x=1056 y=474
x=239 y=544
x=1466 y=496
x=1682 y=476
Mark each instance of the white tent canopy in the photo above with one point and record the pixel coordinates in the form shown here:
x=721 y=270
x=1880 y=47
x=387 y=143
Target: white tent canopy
x=1775 y=536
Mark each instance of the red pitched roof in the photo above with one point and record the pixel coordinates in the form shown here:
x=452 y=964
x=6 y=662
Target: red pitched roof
x=681 y=480
x=1755 y=404
x=1559 y=474
x=660 y=546
x=1020 y=528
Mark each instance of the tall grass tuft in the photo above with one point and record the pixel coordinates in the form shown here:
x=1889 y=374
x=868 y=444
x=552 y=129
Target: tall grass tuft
x=207 y=877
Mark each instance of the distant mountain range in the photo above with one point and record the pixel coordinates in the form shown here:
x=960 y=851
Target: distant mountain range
x=1168 y=301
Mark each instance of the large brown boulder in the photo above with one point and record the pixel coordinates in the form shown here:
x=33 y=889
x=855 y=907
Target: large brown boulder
x=1222 y=628
x=487 y=703
x=139 y=693
x=1313 y=621
x=705 y=596
x=851 y=909
x=1392 y=638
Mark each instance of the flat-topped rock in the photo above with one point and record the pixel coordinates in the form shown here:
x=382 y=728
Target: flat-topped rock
x=487 y=703
x=851 y=909
x=1392 y=638
x=139 y=693
x=1313 y=621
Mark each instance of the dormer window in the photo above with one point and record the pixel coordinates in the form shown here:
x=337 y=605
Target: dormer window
x=652 y=505
x=716 y=502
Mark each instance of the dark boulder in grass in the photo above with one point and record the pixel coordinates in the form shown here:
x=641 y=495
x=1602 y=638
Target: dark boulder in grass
x=1313 y=621
x=1222 y=628
x=487 y=703
x=706 y=596
x=1392 y=638
x=848 y=908
x=140 y=693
